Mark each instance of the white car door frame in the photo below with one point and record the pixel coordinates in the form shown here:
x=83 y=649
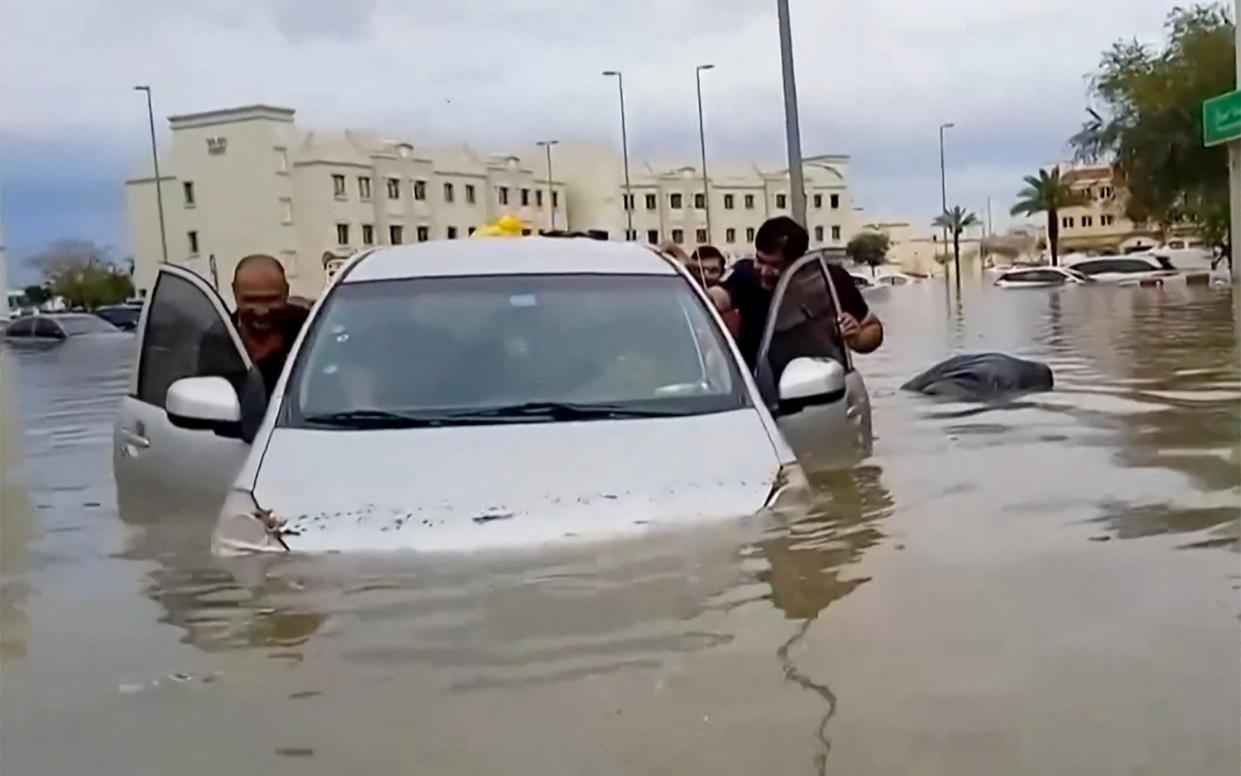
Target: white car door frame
x=821 y=434
x=153 y=460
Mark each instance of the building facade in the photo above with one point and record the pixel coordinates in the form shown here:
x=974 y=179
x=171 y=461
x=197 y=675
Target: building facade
x=246 y=180
x=1100 y=224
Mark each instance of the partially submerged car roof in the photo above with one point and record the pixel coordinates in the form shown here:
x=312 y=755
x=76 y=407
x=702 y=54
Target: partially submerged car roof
x=509 y=256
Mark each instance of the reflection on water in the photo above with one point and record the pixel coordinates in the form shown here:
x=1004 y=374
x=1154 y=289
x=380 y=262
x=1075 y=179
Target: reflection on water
x=1041 y=585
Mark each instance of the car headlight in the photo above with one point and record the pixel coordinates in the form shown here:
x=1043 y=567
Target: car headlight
x=791 y=488
x=244 y=527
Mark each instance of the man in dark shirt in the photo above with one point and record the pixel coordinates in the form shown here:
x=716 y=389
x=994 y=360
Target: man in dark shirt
x=267 y=322
x=748 y=289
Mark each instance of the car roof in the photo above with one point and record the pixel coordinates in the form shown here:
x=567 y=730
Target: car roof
x=1145 y=256
x=508 y=256
x=1026 y=270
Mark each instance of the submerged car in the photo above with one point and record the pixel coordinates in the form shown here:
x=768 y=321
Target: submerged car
x=1124 y=269
x=123 y=316
x=453 y=395
x=1039 y=277
x=56 y=327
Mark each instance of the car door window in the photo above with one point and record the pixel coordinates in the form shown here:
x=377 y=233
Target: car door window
x=46 y=329
x=23 y=328
x=185 y=336
x=802 y=321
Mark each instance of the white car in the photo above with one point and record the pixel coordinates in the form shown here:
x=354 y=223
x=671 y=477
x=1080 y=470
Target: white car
x=486 y=393
x=896 y=279
x=1124 y=269
x=1039 y=277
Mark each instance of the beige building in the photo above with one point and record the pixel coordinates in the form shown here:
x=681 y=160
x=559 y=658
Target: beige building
x=1100 y=224
x=246 y=180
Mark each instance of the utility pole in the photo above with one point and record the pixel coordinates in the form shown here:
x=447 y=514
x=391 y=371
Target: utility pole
x=792 y=128
x=620 y=86
x=159 y=189
x=551 y=193
x=702 y=144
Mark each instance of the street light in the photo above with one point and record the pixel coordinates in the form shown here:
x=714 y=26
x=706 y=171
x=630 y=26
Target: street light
x=792 y=127
x=943 y=181
x=702 y=144
x=620 y=86
x=159 y=189
x=547 y=144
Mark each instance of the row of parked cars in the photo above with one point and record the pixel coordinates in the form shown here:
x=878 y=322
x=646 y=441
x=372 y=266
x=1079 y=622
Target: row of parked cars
x=55 y=327
x=1134 y=269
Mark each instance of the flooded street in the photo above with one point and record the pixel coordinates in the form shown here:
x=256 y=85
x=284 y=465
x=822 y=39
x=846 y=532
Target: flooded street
x=1049 y=586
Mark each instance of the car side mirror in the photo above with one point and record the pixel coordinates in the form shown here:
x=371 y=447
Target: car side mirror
x=808 y=382
x=204 y=404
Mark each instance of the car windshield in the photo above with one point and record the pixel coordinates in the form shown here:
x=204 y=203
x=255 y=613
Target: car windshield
x=1035 y=276
x=119 y=315
x=1105 y=266
x=83 y=324
x=511 y=349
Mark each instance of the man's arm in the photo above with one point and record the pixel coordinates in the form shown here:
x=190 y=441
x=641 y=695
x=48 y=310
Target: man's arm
x=861 y=328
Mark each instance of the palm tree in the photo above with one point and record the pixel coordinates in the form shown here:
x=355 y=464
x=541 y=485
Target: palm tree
x=956 y=220
x=1048 y=193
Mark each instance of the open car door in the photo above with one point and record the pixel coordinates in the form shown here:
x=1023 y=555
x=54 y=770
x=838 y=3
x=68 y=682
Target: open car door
x=805 y=371
x=185 y=331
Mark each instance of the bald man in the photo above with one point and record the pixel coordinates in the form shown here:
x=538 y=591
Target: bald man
x=268 y=324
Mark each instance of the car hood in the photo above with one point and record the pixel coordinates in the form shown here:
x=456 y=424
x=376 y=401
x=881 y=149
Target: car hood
x=471 y=487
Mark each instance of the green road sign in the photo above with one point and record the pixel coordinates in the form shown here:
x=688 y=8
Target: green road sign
x=1221 y=118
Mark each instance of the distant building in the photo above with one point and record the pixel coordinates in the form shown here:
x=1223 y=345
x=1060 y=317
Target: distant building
x=1100 y=224
x=247 y=180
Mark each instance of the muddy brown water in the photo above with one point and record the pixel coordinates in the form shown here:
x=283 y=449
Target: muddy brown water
x=1049 y=586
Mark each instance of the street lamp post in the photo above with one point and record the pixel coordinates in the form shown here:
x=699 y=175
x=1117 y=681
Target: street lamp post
x=702 y=145
x=620 y=86
x=159 y=189
x=792 y=126
x=943 y=181
x=551 y=199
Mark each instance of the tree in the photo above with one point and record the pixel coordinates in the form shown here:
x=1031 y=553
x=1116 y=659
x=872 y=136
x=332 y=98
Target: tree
x=1047 y=193
x=869 y=248
x=82 y=273
x=1149 y=121
x=956 y=220
x=36 y=294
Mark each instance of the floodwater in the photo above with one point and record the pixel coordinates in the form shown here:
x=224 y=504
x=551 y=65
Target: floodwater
x=1045 y=587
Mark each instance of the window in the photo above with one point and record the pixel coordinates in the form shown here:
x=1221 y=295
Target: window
x=342 y=234
x=451 y=233
x=627 y=201
x=730 y=235
x=282 y=161
x=420 y=190
x=749 y=233
x=502 y=194
x=525 y=197
x=1087 y=221
x=818 y=233
x=678 y=236
x=192 y=238
x=631 y=235
x=424 y=233
x=818 y=200
x=396 y=233
x=700 y=201
x=185 y=337
x=394 y=188
x=674 y=201
x=1107 y=220
x=1088 y=192
x=652 y=236
x=565 y=332
x=526 y=232
x=364 y=187
x=749 y=201
x=471 y=230
x=469 y=194
x=538 y=198
x=782 y=201
x=187 y=188
x=555 y=199
x=286 y=206
x=835 y=234
x=1067 y=222
x=449 y=194
x=368 y=234
x=652 y=202
x=729 y=201
x=701 y=236
x=338 y=186
x=835 y=202
x=1105 y=192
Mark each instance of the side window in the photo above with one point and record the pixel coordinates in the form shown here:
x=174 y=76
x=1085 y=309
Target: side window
x=801 y=322
x=20 y=328
x=185 y=337
x=47 y=329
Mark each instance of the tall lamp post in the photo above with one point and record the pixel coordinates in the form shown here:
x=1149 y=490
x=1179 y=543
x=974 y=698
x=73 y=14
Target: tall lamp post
x=943 y=181
x=702 y=145
x=551 y=198
x=792 y=128
x=629 y=206
x=159 y=189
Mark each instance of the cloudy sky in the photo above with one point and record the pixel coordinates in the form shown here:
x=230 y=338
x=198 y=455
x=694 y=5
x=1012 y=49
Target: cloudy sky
x=875 y=78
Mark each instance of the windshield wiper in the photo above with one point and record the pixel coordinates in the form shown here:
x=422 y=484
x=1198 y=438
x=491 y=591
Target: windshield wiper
x=558 y=411
x=373 y=419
